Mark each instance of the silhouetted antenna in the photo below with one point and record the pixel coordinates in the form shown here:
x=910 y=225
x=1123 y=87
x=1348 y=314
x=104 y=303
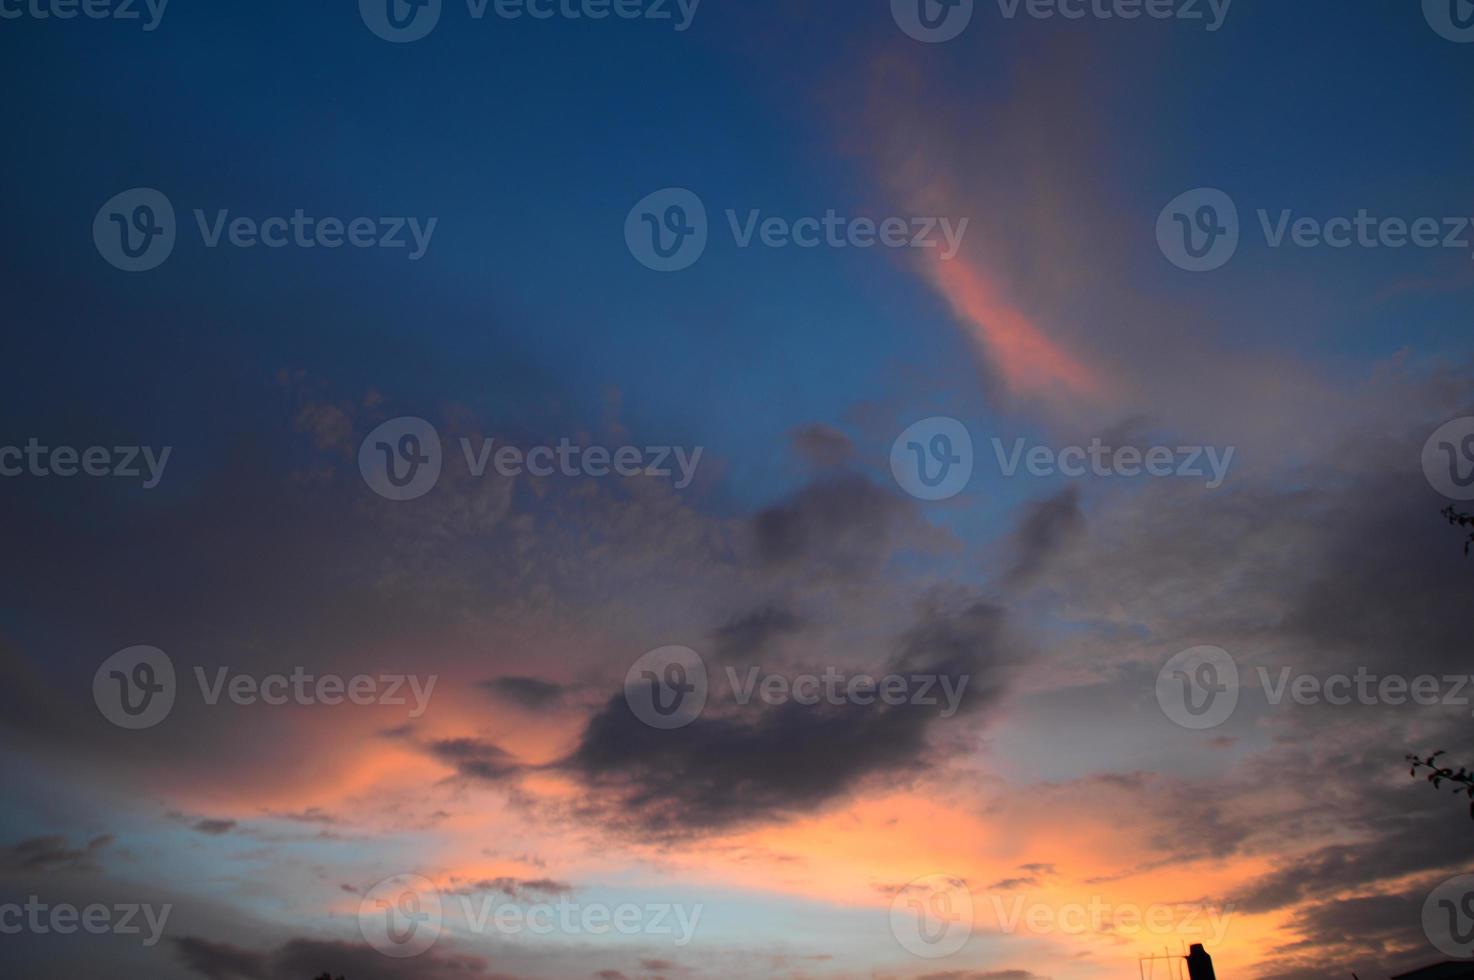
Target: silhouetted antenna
x=1146 y=965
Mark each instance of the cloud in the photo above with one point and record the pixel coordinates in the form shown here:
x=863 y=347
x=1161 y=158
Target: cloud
x=983 y=975
x=298 y=959
x=759 y=763
x=1046 y=527
x=52 y=853
x=843 y=526
x=529 y=692
x=822 y=445
x=215 y=828
x=748 y=636
x=476 y=759
x=516 y=888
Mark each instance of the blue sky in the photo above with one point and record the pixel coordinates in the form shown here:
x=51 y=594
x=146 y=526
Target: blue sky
x=529 y=320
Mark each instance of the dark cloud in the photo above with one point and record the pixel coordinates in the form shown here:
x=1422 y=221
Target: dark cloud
x=1008 y=884
x=517 y=888
x=213 y=827
x=842 y=527
x=221 y=961
x=298 y=959
x=310 y=815
x=765 y=762
x=529 y=692
x=822 y=445
x=475 y=759
x=1402 y=829
x=747 y=636
x=982 y=975
x=1373 y=936
x=51 y=853
x=1047 y=526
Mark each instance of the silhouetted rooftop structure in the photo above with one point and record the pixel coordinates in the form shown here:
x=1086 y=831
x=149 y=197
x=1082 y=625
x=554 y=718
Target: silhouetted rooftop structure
x=1450 y=970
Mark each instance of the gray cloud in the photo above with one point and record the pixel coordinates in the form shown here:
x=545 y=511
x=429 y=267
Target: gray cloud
x=52 y=853
x=762 y=763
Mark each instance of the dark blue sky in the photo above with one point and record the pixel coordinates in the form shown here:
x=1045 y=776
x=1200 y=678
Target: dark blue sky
x=529 y=319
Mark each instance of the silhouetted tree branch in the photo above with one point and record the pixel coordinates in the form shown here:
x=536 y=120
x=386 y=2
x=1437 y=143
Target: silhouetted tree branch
x=1463 y=779
x=1460 y=519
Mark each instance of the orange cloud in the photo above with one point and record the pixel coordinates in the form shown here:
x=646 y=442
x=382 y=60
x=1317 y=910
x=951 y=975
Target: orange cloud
x=1029 y=362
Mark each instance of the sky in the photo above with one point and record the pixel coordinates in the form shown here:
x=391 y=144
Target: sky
x=641 y=488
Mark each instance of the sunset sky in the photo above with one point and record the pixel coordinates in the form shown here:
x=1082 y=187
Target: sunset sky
x=775 y=384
